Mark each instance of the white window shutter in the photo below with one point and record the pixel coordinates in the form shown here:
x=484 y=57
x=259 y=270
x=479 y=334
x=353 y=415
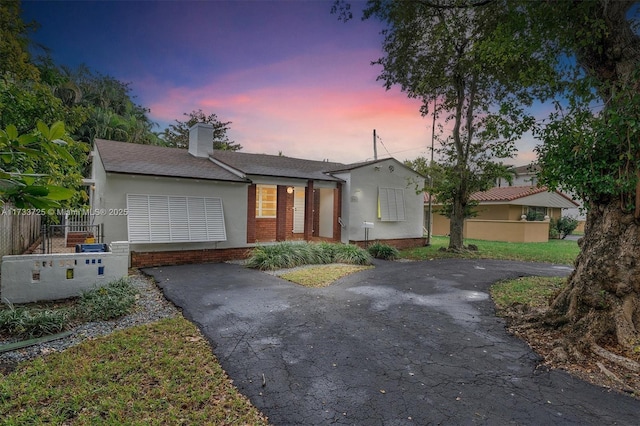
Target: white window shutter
x=138 y=218
x=391 y=204
x=164 y=219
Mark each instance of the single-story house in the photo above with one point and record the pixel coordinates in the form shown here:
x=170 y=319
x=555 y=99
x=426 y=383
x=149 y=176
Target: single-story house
x=528 y=175
x=197 y=205
x=502 y=212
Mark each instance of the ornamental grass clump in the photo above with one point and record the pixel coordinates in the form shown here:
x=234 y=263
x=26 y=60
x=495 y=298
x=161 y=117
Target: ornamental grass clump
x=352 y=254
x=30 y=323
x=383 y=251
x=289 y=255
x=104 y=303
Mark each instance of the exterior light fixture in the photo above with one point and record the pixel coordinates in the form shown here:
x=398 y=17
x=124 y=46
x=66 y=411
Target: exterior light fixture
x=289 y=189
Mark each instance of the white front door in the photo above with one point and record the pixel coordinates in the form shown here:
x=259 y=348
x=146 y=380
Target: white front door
x=298 y=210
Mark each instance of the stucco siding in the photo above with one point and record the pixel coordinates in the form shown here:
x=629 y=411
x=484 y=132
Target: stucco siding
x=111 y=196
x=362 y=201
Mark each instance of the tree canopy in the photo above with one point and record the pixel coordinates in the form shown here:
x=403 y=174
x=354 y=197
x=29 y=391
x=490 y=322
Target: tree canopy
x=450 y=58
x=177 y=135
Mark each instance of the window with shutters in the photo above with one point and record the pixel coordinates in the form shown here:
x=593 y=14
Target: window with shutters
x=266 y=200
x=391 y=204
x=168 y=219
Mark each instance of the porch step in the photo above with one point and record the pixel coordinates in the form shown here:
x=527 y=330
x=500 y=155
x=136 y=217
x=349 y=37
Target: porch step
x=74 y=238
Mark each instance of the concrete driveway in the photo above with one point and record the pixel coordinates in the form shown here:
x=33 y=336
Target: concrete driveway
x=412 y=343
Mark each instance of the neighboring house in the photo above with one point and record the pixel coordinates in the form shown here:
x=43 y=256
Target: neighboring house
x=501 y=214
x=528 y=175
x=185 y=206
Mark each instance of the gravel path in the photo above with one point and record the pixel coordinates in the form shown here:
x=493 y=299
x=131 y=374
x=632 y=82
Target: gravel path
x=150 y=306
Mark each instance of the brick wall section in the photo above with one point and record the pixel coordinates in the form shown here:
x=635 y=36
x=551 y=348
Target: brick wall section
x=251 y=214
x=265 y=229
x=401 y=243
x=316 y=213
x=289 y=218
x=178 y=257
x=337 y=211
x=281 y=213
x=308 y=208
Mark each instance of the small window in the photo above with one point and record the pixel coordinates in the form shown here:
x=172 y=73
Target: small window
x=266 y=200
x=535 y=213
x=391 y=204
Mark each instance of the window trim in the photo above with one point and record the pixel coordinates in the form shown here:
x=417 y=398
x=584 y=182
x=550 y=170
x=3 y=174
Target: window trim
x=260 y=202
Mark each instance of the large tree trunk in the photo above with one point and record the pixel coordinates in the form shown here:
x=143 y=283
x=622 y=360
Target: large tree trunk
x=456 y=226
x=601 y=300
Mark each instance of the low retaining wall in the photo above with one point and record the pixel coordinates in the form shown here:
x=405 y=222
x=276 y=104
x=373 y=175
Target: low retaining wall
x=38 y=277
x=181 y=257
x=512 y=231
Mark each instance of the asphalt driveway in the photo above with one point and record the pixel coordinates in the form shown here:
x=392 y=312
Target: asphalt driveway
x=405 y=343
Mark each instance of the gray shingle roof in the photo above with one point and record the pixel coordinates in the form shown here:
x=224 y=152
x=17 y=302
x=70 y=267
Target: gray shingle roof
x=276 y=165
x=123 y=157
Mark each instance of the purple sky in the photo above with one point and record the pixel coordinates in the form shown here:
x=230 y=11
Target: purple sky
x=289 y=76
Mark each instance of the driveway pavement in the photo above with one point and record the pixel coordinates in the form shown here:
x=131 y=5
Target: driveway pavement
x=406 y=343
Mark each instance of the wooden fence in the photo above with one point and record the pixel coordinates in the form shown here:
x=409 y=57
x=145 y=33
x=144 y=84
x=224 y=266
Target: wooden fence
x=18 y=231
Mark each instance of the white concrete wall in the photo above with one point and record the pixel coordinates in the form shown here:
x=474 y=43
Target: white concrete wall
x=111 y=196
x=37 y=277
x=360 y=201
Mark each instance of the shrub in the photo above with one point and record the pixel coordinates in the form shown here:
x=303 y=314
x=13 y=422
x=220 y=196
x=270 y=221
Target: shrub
x=352 y=254
x=562 y=227
x=30 y=323
x=383 y=251
x=566 y=225
x=104 y=303
x=289 y=255
x=533 y=216
x=553 y=230
x=276 y=256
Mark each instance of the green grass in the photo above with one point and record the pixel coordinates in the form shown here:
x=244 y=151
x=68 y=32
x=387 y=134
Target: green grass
x=322 y=275
x=113 y=300
x=534 y=292
x=555 y=251
x=159 y=373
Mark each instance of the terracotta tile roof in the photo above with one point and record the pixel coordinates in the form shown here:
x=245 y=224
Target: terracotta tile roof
x=507 y=193
x=276 y=165
x=525 y=170
x=123 y=157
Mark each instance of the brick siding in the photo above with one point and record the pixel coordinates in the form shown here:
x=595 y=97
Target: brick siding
x=182 y=257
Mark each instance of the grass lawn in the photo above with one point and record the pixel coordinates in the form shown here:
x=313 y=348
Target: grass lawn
x=534 y=292
x=160 y=373
x=555 y=251
x=321 y=275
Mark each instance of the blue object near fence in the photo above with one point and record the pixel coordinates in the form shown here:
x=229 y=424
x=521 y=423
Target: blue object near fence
x=91 y=248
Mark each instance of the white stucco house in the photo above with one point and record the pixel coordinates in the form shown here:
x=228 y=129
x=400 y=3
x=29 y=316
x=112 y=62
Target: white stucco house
x=197 y=205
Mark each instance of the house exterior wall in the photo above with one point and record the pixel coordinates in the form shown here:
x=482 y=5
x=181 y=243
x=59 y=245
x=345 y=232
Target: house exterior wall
x=493 y=212
x=360 y=202
x=110 y=197
x=507 y=230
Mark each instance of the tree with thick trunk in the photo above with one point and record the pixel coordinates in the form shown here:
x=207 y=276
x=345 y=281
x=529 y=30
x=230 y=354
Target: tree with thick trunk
x=438 y=52
x=597 y=155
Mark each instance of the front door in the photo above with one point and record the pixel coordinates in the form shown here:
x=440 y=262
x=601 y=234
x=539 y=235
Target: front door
x=298 y=210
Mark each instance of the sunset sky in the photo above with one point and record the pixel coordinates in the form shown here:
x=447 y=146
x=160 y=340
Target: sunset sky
x=289 y=76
